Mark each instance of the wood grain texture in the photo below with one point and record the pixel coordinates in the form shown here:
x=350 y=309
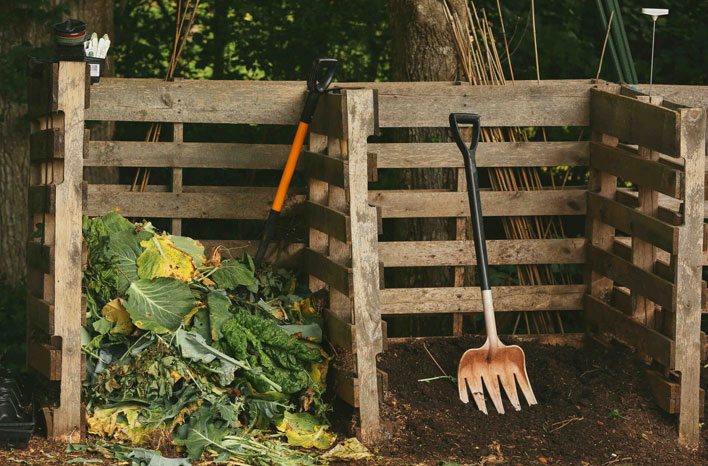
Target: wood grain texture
x=635 y=122
x=332 y=170
x=688 y=273
x=187 y=155
x=489 y=154
x=40 y=314
x=40 y=257
x=249 y=203
x=629 y=331
x=44 y=82
x=47 y=360
x=501 y=252
x=419 y=203
x=627 y=274
x=336 y=275
x=667 y=393
x=633 y=222
x=630 y=166
x=469 y=299
x=330 y=117
x=365 y=261
x=340 y=333
x=330 y=221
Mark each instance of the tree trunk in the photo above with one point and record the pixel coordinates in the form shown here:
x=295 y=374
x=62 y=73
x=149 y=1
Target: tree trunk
x=423 y=49
x=14 y=143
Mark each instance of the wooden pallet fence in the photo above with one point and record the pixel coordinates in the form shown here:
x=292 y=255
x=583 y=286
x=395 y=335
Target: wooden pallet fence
x=54 y=304
x=342 y=255
x=644 y=289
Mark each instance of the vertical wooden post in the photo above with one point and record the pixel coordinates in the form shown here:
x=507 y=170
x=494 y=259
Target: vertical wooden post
x=318 y=190
x=178 y=137
x=689 y=265
x=599 y=233
x=67 y=246
x=460 y=235
x=359 y=124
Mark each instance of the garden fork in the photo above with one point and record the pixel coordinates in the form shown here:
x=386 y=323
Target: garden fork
x=494 y=362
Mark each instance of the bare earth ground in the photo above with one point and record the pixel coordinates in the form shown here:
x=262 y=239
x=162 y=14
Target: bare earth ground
x=594 y=409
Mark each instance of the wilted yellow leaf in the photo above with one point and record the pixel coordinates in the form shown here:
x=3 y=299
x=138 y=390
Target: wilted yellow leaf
x=116 y=313
x=162 y=259
x=305 y=430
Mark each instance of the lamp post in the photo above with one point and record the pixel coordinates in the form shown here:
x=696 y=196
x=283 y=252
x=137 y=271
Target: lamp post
x=654 y=13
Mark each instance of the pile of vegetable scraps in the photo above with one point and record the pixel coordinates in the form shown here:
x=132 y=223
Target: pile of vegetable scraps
x=199 y=352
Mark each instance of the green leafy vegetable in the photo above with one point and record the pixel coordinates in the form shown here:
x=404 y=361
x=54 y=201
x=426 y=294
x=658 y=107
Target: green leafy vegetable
x=232 y=274
x=158 y=305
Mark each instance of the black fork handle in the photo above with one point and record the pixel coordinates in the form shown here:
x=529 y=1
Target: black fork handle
x=468 y=153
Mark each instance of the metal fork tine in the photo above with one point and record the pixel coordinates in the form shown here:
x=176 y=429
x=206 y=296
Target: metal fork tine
x=491 y=381
x=507 y=381
x=523 y=380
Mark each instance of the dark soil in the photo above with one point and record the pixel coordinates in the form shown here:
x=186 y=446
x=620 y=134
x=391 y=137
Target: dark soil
x=594 y=408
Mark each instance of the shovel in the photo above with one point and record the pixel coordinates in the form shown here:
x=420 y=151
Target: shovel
x=316 y=86
x=494 y=362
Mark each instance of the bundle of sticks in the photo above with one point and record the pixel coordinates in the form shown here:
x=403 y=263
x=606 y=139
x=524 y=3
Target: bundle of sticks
x=476 y=45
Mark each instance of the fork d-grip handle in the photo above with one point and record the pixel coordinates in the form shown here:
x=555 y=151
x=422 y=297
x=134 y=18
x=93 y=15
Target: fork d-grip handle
x=468 y=154
x=316 y=86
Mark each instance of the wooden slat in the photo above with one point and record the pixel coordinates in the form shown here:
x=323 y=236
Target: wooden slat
x=322 y=167
x=416 y=203
x=340 y=333
x=42 y=199
x=635 y=122
x=469 y=299
x=235 y=205
x=667 y=212
x=280 y=102
x=633 y=222
x=328 y=220
x=40 y=314
x=501 y=252
x=46 y=360
x=630 y=167
x=348 y=389
x=629 y=331
x=667 y=393
x=333 y=273
x=40 y=257
x=187 y=155
x=489 y=154
x=46 y=145
x=540 y=105
x=329 y=117
x=645 y=283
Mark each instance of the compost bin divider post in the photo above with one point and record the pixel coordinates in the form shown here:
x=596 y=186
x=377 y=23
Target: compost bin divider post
x=177 y=138
x=54 y=307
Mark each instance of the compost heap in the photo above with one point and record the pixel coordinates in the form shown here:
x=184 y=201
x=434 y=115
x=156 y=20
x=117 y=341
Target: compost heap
x=200 y=352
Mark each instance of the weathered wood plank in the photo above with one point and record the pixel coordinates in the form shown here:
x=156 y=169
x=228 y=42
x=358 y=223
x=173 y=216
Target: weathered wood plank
x=633 y=222
x=469 y=299
x=643 y=282
x=229 y=205
x=40 y=313
x=329 y=221
x=635 y=122
x=629 y=331
x=333 y=273
x=688 y=272
x=359 y=125
x=489 y=154
x=631 y=167
x=667 y=393
x=501 y=252
x=46 y=360
x=334 y=171
x=418 y=203
x=340 y=333
x=330 y=118
x=46 y=145
x=187 y=155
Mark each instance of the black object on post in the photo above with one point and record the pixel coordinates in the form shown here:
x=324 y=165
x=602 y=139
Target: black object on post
x=480 y=245
x=316 y=86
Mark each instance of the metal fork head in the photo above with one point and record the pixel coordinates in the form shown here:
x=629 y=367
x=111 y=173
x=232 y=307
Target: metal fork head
x=487 y=366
